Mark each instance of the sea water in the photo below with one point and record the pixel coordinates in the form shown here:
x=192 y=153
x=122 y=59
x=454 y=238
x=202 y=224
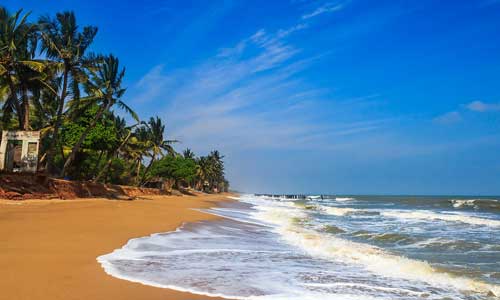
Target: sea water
x=338 y=247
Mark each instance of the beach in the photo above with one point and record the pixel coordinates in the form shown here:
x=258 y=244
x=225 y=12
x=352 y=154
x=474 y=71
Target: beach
x=49 y=247
x=343 y=247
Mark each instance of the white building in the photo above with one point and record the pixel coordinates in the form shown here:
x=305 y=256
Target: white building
x=19 y=151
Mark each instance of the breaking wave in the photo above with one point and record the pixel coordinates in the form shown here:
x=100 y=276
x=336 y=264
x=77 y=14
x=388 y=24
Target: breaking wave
x=477 y=204
x=448 y=217
x=372 y=258
x=275 y=249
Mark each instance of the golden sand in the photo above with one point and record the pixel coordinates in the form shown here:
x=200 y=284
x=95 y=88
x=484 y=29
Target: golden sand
x=48 y=248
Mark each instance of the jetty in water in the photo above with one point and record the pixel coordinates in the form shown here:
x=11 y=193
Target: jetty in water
x=295 y=196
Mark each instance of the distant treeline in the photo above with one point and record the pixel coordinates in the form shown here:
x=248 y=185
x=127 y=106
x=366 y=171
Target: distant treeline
x=50 y=80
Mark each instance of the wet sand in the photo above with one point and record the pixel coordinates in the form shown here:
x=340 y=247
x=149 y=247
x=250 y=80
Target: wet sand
x=48 y=248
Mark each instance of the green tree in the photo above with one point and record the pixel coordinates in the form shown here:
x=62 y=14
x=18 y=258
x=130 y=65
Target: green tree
x=105 y=89
x=177 y=168
x=124 y=133
x=66 y=46
x=18 y=68
x=154 y=132
x=188 y=154
x=101 y=138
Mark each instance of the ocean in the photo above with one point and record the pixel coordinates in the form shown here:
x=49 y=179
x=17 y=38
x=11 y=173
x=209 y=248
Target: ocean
x=327 y=247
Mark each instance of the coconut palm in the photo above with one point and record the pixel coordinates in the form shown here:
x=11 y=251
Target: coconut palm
x=125 y=133
x=18 y=68
x=104 y=88
x=63 y=43
x=136 y=149
x=210 y=172
x=155 y=131
x=188 y=154
x=46 y=93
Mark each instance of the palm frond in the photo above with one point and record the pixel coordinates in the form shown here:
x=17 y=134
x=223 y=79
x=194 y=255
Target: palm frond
x=129 y=110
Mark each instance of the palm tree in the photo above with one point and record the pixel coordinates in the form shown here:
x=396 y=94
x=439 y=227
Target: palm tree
x=217 y=168
x=155 y=131
x=210 y=172
x=105 y=88
x=126 y=134
x=188 y=154
x=137 y=149
x=66 y=45
x=18 y=67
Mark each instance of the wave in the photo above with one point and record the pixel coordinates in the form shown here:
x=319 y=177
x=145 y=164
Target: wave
x=457 y=203
x=195 y=259
x=339 y=211
x=332 y=210
x=427 y=215
x=361 y=286
x=110 y=269
x=440 y=244
x=344 y=199
x=370 y=257
x=388 y=237
x=477 y=204
x=332 y=229
x=344 y=211
x=485 y=204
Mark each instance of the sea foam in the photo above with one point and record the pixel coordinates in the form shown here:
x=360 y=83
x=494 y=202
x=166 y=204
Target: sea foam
x=275 y=249
x=372 y=258
x=449 y=217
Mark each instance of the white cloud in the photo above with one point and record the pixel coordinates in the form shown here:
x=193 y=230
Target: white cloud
x=327 y=8
x=249 y=97
x=480 y=106
x=448 y=118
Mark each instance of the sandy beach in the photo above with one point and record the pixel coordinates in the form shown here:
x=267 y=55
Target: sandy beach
x=48 y=248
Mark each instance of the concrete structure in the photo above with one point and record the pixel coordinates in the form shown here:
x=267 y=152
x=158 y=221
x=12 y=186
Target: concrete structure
x=19 y=151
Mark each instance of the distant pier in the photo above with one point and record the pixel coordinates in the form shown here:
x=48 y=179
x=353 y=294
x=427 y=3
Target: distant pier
x=294 y=196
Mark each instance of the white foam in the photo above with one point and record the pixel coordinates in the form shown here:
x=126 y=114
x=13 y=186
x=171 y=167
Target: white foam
x=428 y=215
x=366 y=286
x=315 y=296
x=330 y=210
x=344 y=199
x=371 y=258
x=404 y=275
x=459 y=203
x=105 y=261
x=338 y=211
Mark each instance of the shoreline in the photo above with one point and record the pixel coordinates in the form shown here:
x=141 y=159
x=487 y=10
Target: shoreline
x=50 y=247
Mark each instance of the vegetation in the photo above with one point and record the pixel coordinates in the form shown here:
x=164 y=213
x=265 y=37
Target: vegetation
x=50 y=80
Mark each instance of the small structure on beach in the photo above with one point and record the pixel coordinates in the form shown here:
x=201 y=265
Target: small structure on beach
x=19 y=151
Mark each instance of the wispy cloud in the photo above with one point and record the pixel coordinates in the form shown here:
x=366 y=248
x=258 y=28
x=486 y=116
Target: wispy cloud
x=448 y=118
x=249 y=96
x=480 y=106
x=457 y=116
x=326 y=8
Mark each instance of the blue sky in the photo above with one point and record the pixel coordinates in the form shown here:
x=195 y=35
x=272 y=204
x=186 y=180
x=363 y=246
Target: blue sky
x=387 y=97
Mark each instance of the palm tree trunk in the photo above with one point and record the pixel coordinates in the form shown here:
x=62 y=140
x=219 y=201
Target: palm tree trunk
x=110 y=161
x=57 y=125
x=14 y=100
x=137 y=172
x=26 y=110
x=79 y=143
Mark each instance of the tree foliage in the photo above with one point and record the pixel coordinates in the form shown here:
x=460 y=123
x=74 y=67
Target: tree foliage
x=50 y=80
